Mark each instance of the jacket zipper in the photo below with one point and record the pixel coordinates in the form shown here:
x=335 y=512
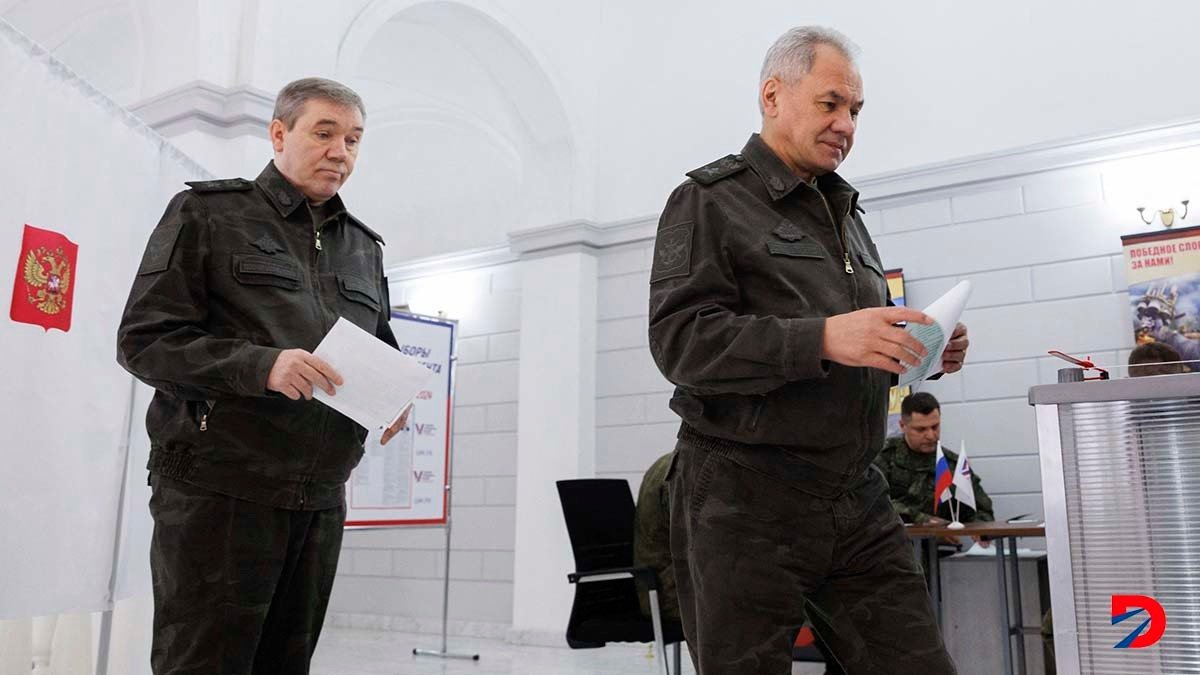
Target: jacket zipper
x=841 y=233
x=208 y=406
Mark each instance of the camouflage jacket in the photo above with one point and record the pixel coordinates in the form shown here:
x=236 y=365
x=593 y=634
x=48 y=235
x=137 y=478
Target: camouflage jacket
x=749 y=261
x=652 y=537
x=910 y=479
x=234 y=273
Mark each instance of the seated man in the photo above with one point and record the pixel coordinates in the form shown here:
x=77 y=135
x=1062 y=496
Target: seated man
x=907 y=461
x=652 y=538
x=1155 y=358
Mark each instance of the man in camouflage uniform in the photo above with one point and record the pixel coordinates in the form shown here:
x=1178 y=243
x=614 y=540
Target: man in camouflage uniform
x=652 y=537
x=239 y=283
x=769 y=312
x=907 y=462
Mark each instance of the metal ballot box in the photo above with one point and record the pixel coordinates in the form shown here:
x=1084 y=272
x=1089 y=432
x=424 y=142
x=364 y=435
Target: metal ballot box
x=1120 y=464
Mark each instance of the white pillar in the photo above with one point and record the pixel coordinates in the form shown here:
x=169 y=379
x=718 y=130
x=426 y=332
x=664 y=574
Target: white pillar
x=557 y=431
x=44 y=628
x=16 y=645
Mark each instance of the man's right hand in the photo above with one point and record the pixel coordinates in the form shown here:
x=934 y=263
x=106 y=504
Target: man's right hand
x=296 y=372
x=870 y=338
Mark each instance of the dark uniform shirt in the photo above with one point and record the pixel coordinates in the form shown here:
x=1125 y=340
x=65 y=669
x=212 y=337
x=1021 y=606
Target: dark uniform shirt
x=235 y=272
x=749 y=261
x=910 y=483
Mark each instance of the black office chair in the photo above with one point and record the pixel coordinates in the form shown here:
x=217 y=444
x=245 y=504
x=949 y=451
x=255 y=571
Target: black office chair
x=599 y=513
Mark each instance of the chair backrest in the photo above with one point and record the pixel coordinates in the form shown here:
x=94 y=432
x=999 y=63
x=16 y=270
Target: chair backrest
x=599 y=513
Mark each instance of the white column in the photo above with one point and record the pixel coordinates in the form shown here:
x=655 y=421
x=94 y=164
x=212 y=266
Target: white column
x=557 y=431
x=16 y=645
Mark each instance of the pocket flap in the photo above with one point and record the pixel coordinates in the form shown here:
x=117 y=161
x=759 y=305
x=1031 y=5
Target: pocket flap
x=868 y=261
x=359 y=290
x=805 y=248
x=267 y=271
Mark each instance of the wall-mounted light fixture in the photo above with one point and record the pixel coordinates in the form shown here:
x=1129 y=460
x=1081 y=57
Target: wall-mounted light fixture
x=1165 y=216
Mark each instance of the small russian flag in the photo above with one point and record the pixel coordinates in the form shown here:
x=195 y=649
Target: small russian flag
x=942 y=479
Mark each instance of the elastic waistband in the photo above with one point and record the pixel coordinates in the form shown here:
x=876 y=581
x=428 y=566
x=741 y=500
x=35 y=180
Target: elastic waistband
x=784 y=464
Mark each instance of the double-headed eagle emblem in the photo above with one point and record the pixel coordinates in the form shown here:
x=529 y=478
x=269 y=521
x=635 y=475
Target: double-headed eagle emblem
x=47 y=279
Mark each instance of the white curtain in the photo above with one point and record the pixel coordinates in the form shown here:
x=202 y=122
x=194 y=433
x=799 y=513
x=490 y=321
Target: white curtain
x=76 y=163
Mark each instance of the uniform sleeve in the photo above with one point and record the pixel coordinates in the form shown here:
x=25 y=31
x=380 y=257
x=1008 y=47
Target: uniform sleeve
x=163 y=338
x=699 y=338
x=383 y=329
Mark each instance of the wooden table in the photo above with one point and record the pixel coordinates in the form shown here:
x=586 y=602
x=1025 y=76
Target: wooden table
x=1004 y=533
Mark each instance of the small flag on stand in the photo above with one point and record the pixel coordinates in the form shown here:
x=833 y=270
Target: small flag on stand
x=44 y=287
x=942 y=479
x=964 y=487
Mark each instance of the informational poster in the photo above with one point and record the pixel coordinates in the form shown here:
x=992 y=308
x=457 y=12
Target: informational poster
x=895 y=282
x=1163 y=272
x=405 y=481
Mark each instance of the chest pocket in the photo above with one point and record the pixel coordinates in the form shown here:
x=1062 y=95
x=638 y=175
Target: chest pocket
x=879 y=280
x=804 y=247
x=359 y=291
x=261 y=270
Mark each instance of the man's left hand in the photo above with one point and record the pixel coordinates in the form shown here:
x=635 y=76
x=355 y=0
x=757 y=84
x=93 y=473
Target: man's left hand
x=397 y=426
x=956 y=350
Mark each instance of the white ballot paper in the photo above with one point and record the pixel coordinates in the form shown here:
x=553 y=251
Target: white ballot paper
x=945 y=312
x=379 y=381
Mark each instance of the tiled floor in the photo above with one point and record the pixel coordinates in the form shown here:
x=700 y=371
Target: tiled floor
x=360 y=652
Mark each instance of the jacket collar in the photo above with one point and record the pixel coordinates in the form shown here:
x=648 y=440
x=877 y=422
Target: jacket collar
x=779 y=179
x=285 y=197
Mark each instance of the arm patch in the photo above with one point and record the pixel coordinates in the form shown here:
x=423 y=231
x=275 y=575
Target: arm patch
x=157 y=257
x=673 y=252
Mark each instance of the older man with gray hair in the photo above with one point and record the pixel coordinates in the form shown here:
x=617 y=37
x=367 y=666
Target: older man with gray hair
x=770 y=313
x=239 y=283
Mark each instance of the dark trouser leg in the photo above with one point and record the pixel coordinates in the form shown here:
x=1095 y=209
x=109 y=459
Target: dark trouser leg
x=746 y=550
x=821 y=628
x=297 y=612
x=233 y=582
x=883 y=617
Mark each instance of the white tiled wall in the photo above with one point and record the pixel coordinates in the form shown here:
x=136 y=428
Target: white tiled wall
x=1044 y=256
x=393 y=577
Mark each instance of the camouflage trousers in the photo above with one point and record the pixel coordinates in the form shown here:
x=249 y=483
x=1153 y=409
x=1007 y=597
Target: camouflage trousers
x=748 y=550
x=239 y=588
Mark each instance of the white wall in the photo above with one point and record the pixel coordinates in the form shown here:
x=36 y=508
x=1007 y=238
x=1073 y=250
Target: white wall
x=943 y=80
x=631 y=94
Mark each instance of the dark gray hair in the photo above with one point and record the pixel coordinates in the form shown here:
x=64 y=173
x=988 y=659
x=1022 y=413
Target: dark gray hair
x=791 y=57
x=291 y=99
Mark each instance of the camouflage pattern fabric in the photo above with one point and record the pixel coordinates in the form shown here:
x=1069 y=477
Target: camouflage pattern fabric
x=743 y=585
x=652 y=538
x=231 y=276
x=239 y=588
x=910 y=479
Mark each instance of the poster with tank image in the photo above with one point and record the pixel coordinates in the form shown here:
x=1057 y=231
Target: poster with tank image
x=1163 y=272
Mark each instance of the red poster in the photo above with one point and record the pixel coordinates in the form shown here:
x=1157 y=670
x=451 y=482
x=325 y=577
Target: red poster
x=43 y=289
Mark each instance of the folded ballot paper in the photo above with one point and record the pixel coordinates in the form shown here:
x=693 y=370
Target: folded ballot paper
x=378 y=381
x=945 y=312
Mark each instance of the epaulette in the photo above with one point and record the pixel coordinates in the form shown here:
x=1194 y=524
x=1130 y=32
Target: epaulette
x=223 y=185
x=373 y=233
x=715 y=171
